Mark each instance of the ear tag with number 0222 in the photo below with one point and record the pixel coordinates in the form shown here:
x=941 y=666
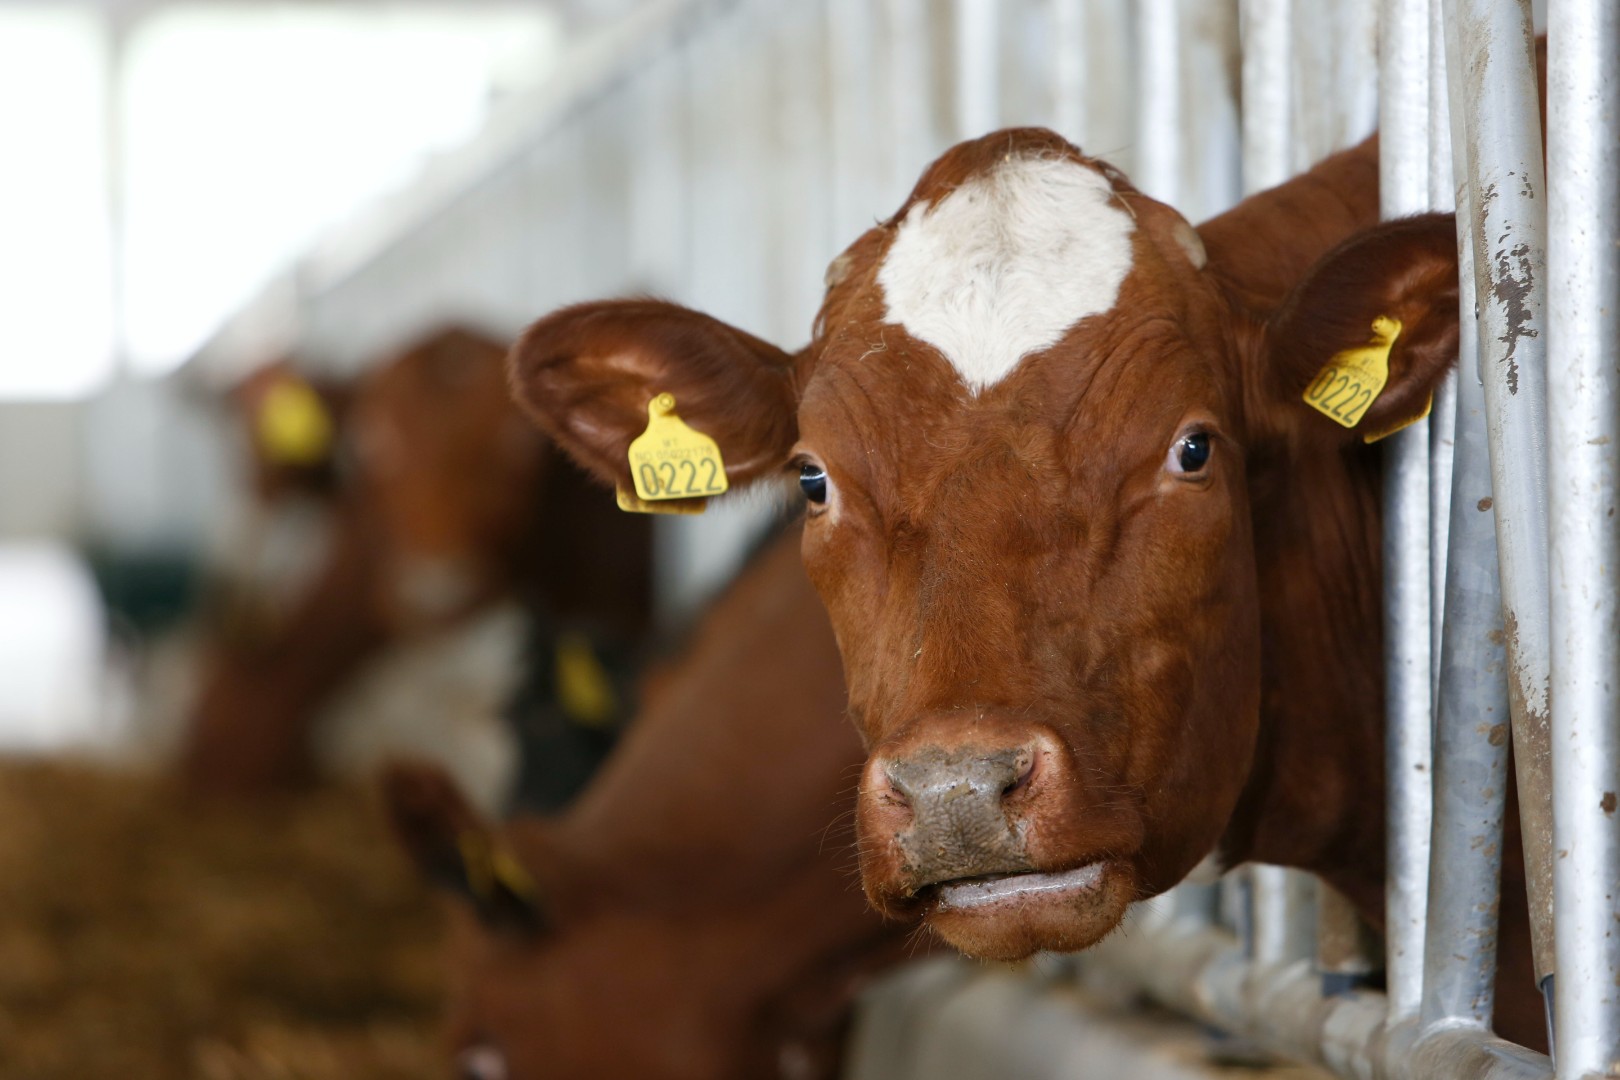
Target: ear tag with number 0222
x=1353 y=379
x=671 y=461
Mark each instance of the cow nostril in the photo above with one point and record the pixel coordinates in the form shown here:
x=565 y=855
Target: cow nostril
x=1025 y=772
x=893 y=790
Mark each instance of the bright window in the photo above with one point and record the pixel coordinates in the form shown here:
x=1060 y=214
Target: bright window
x=247 y=130
x=55 y=281
x=250 y=129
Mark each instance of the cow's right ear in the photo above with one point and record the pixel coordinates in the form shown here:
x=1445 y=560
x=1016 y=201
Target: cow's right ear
x=587 y=373
x=457 y=851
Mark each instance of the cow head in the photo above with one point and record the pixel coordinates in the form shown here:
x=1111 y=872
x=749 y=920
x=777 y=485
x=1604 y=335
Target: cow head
x=1030 y=427
x=564 y=968
x=437 y=454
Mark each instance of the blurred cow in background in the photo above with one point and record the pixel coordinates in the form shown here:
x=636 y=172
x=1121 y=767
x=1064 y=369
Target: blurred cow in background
x=695 y=914
x=443 y=503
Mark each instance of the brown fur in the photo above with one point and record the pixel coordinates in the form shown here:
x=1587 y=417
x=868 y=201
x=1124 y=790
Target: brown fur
x=700 y=914
x=448 y=502
x=1194 y=663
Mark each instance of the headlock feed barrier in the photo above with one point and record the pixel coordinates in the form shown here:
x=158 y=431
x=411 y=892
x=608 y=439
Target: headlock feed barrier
x=721 y=151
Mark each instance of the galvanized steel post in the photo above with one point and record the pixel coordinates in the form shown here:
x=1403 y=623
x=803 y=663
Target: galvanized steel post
x=1159 y=132
x=1443 y=417
x=1265 y=27
x=1470 y=745
x=1493 y=68
x=1403 y=111
x=978 y=75
x=1583 y=397
x=1069 y=69
x=910 y=93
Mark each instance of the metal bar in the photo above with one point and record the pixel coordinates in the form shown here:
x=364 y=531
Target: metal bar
x=1069 y=69
x=1403 y=105
x=1265 y=27
x=1203 y=973
x=1159 y=133
x=1442 y=419
x=978 y=96
x=910 y=94
x=1493 y=68
x=1470 y=745
x=1284 y=915
x=1583 y=398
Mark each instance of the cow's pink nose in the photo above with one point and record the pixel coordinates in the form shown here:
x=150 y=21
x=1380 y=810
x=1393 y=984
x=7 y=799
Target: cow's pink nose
x=954 y=812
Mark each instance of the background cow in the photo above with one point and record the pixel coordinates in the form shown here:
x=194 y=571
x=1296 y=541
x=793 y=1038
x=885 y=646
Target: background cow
x=694 y=913
x=446 y=501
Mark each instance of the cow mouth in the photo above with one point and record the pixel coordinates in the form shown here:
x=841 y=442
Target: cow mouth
x=1011 y=916
x=976 y=892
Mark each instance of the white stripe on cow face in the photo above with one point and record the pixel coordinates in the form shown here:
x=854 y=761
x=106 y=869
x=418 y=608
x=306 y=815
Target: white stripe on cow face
x=1006 y=263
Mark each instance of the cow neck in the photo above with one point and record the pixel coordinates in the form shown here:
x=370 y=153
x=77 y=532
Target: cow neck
x=1263 y=246
x=1315 y=796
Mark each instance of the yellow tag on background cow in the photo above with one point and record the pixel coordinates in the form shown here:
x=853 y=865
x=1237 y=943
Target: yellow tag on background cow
x=293 y=426
x=1353 y=379
x=584 y=688
x=671 y=461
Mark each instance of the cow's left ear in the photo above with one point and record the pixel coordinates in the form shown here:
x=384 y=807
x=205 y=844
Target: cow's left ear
x=457 y=850
x=1359 y=346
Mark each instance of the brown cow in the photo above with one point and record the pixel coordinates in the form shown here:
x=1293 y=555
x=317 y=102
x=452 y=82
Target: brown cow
x=447 y=502
x=694 y=914
x=1106 y=589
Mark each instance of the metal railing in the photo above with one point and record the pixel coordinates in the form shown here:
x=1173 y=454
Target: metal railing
x=721 y=152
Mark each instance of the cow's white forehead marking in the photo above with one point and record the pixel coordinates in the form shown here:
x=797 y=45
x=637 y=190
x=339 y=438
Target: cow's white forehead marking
x=1003 y=265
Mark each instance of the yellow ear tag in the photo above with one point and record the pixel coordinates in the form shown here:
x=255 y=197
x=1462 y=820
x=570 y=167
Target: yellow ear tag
x=584 y=689
x=487 y=865
x=671 y=461
x=1353 y=379
x=293 y=426
x=630 y=504
x=1374 y=436
x=477 y=862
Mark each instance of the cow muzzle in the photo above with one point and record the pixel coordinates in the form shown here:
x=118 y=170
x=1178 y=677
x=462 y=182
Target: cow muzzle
x=977 y=833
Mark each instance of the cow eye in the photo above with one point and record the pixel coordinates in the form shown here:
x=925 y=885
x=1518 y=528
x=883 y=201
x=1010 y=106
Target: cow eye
x=1190 y=453
x=481 y=1062
x=813 y=482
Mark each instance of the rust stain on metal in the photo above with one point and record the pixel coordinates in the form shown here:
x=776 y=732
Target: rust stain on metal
x=1499 y=734
x=1608 y=802
x=1484 y=504
x=1513 y=291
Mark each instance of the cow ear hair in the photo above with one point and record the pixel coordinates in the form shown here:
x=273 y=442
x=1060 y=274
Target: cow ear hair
x=457 y=851
x=587 y=373
x=1403 y=272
